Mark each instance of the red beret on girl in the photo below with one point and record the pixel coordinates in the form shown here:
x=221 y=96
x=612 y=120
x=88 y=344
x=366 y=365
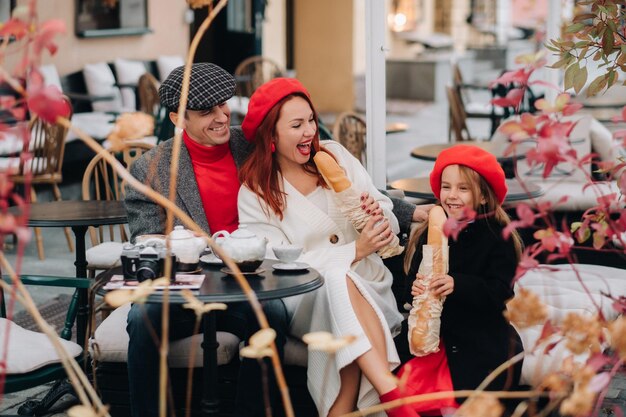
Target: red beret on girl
x=264 y=98
x=475 y=158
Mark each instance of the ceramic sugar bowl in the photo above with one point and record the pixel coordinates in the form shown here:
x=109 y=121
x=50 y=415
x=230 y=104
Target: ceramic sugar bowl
x=243 y=246
x=187 y=247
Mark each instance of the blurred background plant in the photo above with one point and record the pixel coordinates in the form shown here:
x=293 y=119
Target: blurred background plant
x=598 y=33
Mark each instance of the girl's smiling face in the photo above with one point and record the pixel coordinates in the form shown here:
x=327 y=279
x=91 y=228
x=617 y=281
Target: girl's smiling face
x=457 y=192
x=295 y=130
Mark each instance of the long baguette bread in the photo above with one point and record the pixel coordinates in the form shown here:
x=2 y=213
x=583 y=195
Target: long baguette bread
x=348 y=199
x=425 y=316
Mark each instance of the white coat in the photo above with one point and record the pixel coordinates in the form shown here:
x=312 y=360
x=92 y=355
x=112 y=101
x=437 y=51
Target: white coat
x=329 y=308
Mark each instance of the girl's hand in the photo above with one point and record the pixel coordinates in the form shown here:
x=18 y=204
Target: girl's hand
x=370 y=206
x=418 y=287
x=375 y=235
x=442 y=285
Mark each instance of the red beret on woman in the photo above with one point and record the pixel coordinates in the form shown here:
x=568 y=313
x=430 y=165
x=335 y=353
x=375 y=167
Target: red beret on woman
x=264 y=98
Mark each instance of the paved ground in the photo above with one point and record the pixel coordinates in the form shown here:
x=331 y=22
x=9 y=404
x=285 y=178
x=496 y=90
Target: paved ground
x=428 y=124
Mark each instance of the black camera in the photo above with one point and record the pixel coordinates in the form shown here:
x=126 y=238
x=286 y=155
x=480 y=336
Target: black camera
x=141 y=262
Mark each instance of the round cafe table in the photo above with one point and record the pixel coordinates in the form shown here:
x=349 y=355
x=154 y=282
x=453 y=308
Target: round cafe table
x=496 y=148
x=78 y=215
x=220 y=287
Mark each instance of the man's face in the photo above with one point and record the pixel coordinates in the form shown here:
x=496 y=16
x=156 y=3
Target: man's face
x=208 y=127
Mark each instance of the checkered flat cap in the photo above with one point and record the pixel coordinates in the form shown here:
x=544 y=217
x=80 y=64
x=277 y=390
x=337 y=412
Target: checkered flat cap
x=209 y=86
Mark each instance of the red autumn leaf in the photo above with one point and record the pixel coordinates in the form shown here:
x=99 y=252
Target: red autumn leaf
x=44 y=39
x=547 y=331
x=597 y=361
x=517 y=76
x=452 y=228
x=571 y=108
x=549 y=348
x=619 y=305
x=607 y=200
x=599 y=382
x=48 y=103
x=14 y=27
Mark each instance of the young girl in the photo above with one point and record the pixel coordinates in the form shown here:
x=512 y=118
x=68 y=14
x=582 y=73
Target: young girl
x=475 y=336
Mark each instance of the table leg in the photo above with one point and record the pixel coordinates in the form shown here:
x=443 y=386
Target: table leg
x=210 y=402
x=80 y=295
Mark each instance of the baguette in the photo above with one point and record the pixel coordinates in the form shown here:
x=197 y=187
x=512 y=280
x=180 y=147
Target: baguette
x=333 y=174
x=348 y=199
x=425 y=316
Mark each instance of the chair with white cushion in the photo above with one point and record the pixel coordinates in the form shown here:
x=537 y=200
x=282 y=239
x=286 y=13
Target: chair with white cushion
x=559 y=287
x=101 y=182
x=31 y=359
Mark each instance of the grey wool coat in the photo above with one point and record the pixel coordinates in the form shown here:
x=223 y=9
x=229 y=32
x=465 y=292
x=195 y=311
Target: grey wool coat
x=153 y=169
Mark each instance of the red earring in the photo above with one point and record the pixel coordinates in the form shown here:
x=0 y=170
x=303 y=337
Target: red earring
x=273 y=147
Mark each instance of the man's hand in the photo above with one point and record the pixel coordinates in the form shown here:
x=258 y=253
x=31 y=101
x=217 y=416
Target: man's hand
x=421 y=212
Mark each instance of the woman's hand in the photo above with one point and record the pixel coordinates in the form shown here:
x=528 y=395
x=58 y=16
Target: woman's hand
x=442 y=285
x=375 y=235
x=370 y=205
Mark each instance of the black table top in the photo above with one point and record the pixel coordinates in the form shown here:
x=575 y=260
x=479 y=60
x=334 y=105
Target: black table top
x=496 y=148
x=420 y=188
x=75 y=213
x=219 y=287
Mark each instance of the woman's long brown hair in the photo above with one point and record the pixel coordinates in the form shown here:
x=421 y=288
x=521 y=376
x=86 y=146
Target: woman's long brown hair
x=260 y=171
x=492 y=208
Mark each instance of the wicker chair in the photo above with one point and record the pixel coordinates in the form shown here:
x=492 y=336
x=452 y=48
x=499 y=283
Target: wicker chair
x=458 y=118
x=47 y=144
x=253 y=72
x=349 y=130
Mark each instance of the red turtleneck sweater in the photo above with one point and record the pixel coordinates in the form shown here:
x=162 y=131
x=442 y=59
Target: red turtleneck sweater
x=218 y=183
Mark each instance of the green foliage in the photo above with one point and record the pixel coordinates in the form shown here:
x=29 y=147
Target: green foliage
x=597 y=33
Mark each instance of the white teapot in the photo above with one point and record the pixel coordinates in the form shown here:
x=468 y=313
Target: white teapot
x=243 y=246
x=187 y=247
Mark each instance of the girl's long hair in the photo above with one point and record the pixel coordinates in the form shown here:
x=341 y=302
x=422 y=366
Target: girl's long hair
x=492 y=208
x=260 y=170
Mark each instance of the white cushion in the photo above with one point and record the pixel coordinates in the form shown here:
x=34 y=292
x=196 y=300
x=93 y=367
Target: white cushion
x=128 y=72
x=146 y=140
x=602 y=142
x=98 y=125
x=11 y=165
x=110 y=343
x=30 y=350
x=166 y=63
x=50 y=75
x=104 y=255
x=100 y=82
x=558 y=287
x=579 y=198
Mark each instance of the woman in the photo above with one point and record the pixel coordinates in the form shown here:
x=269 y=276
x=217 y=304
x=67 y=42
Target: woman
x=285 y=199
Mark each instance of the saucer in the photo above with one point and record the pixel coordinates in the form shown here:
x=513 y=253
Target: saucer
x=229 y=271
x=211 y=259
x=291 y=266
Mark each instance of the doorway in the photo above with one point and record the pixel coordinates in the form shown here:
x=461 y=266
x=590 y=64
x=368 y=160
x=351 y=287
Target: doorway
x=235 y=34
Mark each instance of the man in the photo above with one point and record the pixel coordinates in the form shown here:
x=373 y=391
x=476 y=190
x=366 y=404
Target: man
x=207 y=189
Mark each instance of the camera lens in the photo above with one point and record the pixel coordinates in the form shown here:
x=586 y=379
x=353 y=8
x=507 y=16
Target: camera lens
x=147 y=269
